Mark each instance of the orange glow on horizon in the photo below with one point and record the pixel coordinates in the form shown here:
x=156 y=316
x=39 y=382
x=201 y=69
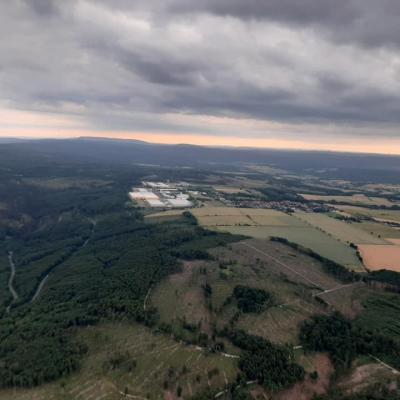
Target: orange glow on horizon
x=374 y=145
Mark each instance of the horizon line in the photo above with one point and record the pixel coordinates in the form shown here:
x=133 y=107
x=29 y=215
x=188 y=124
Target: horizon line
x=188 y=143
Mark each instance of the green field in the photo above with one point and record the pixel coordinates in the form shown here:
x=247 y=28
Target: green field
x=266 y=223
x=378 y=229
x=306 y=236
x=390 y=215
x=343 y=231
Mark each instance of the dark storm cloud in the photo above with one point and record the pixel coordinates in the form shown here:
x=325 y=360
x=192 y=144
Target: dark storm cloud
x=42 y=8
x=370 y=22
x=322 y=62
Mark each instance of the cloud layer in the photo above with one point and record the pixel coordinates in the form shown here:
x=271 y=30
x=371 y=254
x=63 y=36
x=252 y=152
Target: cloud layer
x=311 y=69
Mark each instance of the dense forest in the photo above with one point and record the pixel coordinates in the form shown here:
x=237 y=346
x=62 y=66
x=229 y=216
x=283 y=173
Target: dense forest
x=267 y=363
x=252 y=300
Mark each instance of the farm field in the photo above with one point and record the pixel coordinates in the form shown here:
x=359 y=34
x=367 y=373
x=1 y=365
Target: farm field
x=379 y=230
x=150 y=363
x=381 y=256
x=265 y=223
x=395 y=241
x=229 y=216
x=343 y=231
x=305 y=236
x=357 y=199
x=385 y=215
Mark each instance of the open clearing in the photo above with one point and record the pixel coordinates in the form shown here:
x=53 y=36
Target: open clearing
x=159 y=359
x=180 y=298
x=357 y=199
x=293 y=278
x=381 y=256
x=364 y=376
x=344 y=231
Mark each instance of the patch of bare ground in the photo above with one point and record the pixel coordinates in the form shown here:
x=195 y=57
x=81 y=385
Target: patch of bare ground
x=258 y=393
x=364 y=376
x=170 y=395
x=183 y=296
x=196 y=311
x=187 y=271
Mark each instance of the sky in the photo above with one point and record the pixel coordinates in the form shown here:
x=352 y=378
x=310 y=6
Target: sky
x=307 y=74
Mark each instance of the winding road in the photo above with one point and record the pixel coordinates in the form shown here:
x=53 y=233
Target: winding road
x=13 y=292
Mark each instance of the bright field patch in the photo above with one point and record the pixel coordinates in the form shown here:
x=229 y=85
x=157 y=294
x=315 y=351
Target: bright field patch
x=343 y=231
x=266 y=223
x=230 y=216
x=381 y=256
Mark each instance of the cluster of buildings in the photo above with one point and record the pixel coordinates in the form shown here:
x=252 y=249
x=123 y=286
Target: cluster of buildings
x=161 y=195
x=286 y=206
